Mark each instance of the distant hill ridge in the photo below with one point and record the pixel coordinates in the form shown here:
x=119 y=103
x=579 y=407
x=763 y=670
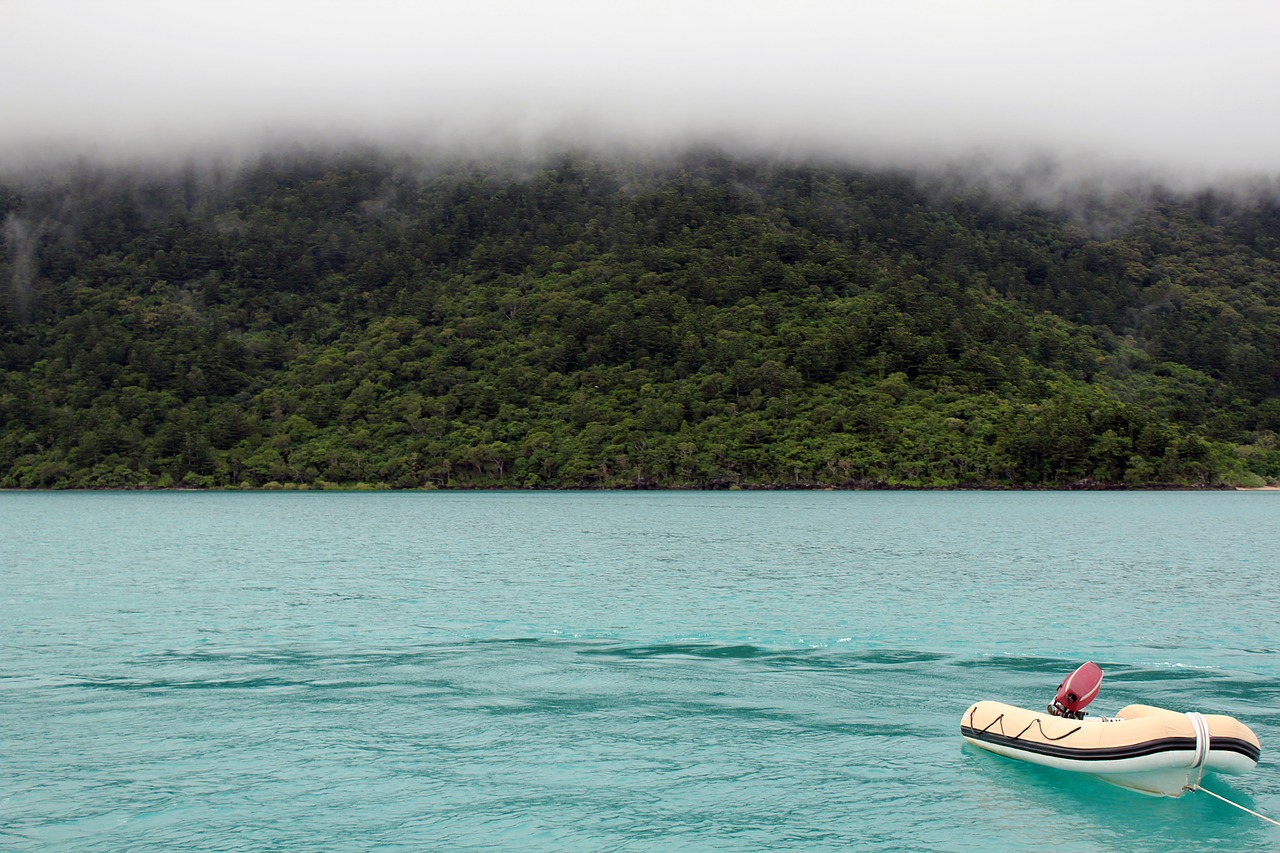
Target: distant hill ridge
x=705 y=321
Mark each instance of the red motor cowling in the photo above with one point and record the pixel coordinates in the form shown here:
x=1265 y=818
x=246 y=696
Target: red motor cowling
x=1077 y=690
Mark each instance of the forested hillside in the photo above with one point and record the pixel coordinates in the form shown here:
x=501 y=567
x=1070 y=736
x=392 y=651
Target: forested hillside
x=315 y=321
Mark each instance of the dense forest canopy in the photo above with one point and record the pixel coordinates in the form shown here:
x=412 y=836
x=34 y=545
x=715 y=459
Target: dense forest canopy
x=586 y=322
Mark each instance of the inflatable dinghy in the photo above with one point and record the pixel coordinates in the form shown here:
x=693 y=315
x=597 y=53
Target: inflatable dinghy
x=1147 y=749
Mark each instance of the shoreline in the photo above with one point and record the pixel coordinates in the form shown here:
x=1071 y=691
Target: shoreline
x=738 y=488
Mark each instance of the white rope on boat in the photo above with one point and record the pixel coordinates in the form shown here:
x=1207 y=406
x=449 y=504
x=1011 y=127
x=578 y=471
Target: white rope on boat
x=1201 y=727
x=1237 y=805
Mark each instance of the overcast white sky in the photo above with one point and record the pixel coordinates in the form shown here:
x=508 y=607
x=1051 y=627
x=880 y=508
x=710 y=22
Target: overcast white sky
x=1193 y=86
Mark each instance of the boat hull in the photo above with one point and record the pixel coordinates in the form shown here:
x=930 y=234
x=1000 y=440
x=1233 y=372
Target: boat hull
x=1147 y=749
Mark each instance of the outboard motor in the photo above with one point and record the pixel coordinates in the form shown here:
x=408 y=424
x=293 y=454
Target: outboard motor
x=1076 y=691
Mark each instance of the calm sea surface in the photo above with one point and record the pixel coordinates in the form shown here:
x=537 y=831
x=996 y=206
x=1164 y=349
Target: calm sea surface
x=616 y=671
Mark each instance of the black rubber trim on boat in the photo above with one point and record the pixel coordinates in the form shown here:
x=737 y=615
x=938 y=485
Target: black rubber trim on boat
x=1135 y=750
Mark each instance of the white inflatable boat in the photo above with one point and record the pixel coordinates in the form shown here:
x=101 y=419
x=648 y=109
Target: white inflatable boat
x=1144 y=748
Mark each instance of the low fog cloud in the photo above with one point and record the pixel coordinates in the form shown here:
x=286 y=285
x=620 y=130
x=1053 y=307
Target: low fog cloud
x=1171 y=85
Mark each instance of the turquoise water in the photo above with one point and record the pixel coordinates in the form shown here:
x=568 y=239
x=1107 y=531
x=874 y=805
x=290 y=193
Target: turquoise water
x=617 y=671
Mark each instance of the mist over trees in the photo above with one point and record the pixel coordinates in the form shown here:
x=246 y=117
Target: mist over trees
x=580 y=321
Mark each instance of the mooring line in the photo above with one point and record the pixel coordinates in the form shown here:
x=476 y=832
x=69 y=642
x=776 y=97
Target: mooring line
x=1228 y=802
